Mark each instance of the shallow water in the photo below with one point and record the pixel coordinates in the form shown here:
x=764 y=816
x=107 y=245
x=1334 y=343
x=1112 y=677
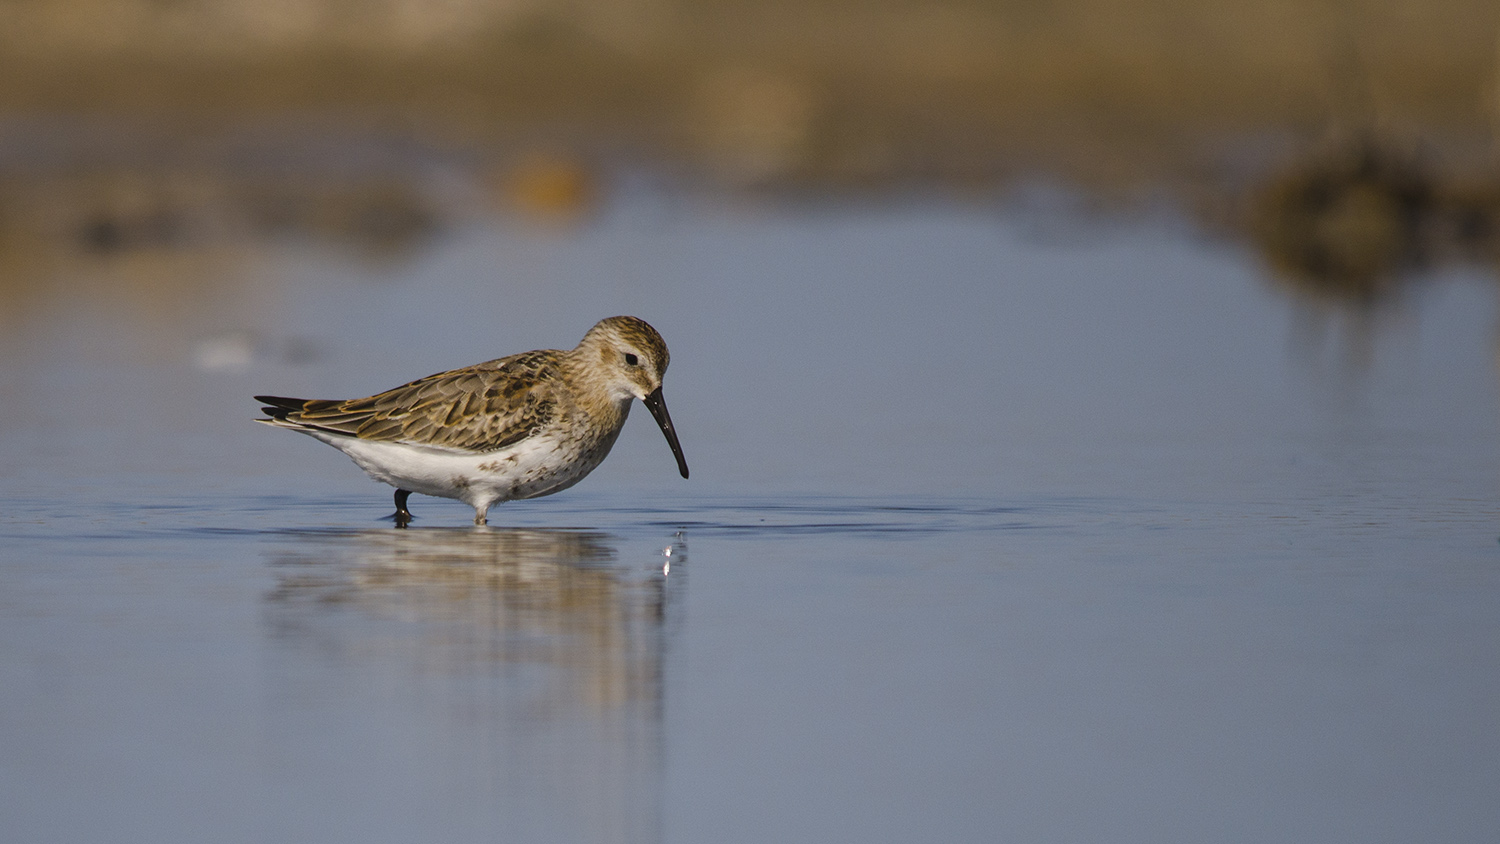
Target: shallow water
x=995 y=532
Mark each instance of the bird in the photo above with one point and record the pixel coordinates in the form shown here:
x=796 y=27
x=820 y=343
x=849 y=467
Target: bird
x=516 y=427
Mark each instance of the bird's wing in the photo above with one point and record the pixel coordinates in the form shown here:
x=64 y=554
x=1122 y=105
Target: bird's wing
x=478 y=408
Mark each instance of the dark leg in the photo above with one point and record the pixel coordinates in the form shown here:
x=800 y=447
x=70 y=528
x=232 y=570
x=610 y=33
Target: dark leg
x=402 y=515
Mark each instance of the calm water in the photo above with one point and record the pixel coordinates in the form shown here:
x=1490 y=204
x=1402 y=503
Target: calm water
x=996 y=532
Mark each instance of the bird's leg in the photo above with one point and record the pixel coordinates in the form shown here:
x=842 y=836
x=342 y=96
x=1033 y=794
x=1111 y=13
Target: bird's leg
x=402 y=515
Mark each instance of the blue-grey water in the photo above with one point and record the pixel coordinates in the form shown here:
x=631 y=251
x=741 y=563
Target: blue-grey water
x=997 y=531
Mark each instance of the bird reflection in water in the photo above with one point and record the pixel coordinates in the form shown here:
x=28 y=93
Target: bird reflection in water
x=465 y=600
x=519 y=671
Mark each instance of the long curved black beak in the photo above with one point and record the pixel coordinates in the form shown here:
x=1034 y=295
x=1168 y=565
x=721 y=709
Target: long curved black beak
x=658 y=407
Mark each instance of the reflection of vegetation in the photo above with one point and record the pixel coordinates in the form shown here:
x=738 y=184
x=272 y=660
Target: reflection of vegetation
x=1344 y=222
x=108 y=212
x=151 y=235
x=381 y=216
x=1351 y=220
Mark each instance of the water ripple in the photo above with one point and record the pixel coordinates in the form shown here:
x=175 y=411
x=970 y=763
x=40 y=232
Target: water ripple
x=230 y=517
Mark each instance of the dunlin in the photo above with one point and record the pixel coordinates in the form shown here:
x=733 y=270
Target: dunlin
x=518 y=427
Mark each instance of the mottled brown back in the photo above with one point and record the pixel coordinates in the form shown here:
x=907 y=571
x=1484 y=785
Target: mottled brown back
x=478 y=408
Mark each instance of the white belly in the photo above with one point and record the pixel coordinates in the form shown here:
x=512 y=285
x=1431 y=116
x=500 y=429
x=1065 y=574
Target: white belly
x=538 y=466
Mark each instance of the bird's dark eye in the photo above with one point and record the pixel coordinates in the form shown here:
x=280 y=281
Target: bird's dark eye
x=631 y=360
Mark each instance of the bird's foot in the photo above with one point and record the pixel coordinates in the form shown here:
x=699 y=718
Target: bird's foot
x=402 y=516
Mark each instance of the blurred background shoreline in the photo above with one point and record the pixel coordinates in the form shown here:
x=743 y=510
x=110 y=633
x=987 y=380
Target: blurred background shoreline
x=1115 y=96
x=1351 y=144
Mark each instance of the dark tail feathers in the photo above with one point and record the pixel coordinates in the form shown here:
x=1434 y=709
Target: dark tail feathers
x=277 y=407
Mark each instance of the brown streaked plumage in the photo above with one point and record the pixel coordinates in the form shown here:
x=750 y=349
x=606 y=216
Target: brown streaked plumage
x=521 y=426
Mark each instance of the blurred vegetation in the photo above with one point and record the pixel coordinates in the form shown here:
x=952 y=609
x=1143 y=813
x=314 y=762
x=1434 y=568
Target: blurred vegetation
x=128 y=124
x=859 y=89
x=1349 y=221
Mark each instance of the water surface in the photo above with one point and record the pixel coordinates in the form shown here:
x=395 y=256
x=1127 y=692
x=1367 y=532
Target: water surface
x=995 y=532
